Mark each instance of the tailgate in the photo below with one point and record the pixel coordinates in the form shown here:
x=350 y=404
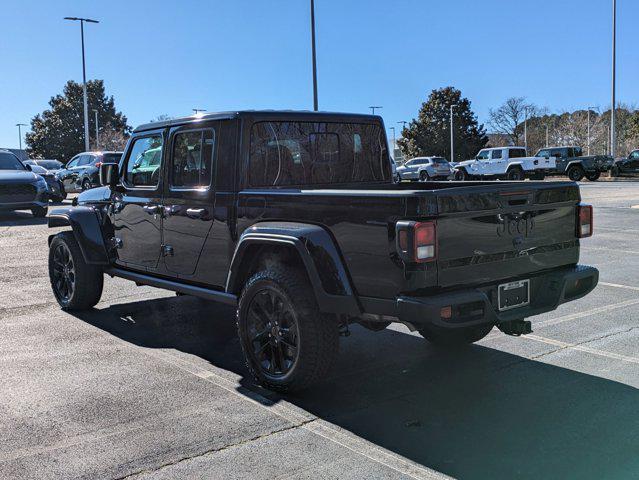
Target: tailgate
x=492 y=232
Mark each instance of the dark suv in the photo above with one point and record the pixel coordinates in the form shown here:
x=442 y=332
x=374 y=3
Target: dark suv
x=20 y=188
x=83 y=171
x=294 y=219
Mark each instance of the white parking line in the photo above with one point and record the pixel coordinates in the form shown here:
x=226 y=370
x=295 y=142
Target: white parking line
x=305 y=420
x=617 y=285
x=587 y=313
x=581 y=348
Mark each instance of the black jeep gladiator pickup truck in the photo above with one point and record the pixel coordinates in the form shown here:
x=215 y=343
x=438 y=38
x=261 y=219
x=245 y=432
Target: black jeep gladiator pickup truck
x=294 y=218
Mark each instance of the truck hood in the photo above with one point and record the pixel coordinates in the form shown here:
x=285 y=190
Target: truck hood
x=99 y=194
x=17 y=176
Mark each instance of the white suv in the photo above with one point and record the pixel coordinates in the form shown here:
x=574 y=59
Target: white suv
x=505 y=162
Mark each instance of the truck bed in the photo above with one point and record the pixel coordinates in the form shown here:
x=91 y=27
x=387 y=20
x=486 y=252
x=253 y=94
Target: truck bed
x=486 y=231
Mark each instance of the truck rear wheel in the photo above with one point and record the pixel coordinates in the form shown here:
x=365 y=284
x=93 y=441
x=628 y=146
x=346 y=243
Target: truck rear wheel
x=287 y=342
x=594 y=176
x=448 y=337
x=575 y=173
x=76 y=284
x=515 y=173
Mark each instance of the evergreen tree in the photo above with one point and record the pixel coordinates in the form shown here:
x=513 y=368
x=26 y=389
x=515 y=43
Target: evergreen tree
x=59 y=132
x=429 y=133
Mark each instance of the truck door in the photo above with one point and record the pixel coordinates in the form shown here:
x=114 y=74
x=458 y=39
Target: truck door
x=497 y=164
x=189 y=196
x=137 y=209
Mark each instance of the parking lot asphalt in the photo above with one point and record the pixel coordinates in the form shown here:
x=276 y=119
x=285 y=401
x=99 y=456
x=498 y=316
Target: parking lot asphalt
x=148 y=384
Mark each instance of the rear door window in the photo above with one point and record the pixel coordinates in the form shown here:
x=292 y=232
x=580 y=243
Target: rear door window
x=192 y=159
x=496 y=154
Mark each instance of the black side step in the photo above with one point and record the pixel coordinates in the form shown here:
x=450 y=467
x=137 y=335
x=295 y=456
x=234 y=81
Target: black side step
x=205 y=293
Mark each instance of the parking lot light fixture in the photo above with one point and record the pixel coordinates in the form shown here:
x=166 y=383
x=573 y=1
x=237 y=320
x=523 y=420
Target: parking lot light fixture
x=84 y=78
x=314 y=56
x=19 y=125
x=375 y=107
x=589 y=108
x=452 y=144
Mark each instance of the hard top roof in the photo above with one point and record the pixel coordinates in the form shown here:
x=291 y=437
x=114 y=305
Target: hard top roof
x=257 y=114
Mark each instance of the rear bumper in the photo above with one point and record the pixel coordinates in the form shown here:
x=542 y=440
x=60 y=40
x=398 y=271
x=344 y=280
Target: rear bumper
x=479 y=305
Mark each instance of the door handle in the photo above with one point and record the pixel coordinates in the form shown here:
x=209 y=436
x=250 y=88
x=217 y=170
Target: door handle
x=172 y=210
x=196 y=212
x=152 y=209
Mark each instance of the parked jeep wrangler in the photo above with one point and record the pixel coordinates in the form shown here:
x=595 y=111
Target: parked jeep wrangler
x=293 y=218
x=571 y=162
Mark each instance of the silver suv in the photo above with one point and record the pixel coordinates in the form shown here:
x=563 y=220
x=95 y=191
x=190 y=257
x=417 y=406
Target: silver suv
x=425 y=168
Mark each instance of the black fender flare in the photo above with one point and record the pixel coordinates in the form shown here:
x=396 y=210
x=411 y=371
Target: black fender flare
x=85 y=224
x=318 y=252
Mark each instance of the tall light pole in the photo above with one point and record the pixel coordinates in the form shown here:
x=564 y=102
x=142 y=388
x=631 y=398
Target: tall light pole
x=614 y=62
x=97 y=135
x=526 y=128
x=452 y=144
x=314 y=56
x=198 y=111
x=546 y=135
x=19 y=125
x=403 y=123
x=375 y=107
x=84 y=78
x=589 y=130
x=394 y=140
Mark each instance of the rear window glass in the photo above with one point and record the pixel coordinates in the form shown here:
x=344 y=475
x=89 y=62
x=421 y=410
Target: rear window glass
x=439 y=160
x=111 y=157
x=516 y=153
x=307 y=153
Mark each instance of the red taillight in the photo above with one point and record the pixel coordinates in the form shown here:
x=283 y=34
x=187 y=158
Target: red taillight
x=425 y=242
x=97 y=164
x=416 y=241
x=584 y=221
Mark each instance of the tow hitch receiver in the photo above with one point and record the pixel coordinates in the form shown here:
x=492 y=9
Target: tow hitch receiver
x=516 y=327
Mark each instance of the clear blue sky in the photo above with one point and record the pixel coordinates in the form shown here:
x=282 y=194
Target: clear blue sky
x=160 y=57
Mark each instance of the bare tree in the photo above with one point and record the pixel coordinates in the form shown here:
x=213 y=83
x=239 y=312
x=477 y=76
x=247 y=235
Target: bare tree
x=112 y=139
x=509 y=118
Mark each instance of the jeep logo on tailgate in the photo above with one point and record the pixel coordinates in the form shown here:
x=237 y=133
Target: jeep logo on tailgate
x=515 y=224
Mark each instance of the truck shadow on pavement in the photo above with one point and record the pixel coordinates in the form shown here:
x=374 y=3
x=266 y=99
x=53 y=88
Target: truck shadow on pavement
x=20 y=218
x=473 y=413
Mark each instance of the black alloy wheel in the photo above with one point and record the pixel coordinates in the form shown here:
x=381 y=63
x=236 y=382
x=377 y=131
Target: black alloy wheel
x=63 y=274
x=86 y=184
x=273 y=332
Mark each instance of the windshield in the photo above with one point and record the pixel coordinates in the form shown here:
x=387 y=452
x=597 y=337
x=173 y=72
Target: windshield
x=483 y=155
x=8 y=161
x=49 y=164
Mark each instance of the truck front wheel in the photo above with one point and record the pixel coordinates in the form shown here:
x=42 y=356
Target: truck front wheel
x=448 y=337
x=76 y=284
x=461 y=175
x=287 y=342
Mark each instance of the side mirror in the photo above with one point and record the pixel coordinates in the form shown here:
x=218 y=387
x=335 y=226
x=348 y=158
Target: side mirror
x=109 y=174
x=28 y=167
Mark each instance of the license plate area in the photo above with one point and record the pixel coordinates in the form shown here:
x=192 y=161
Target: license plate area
x=513 y=295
